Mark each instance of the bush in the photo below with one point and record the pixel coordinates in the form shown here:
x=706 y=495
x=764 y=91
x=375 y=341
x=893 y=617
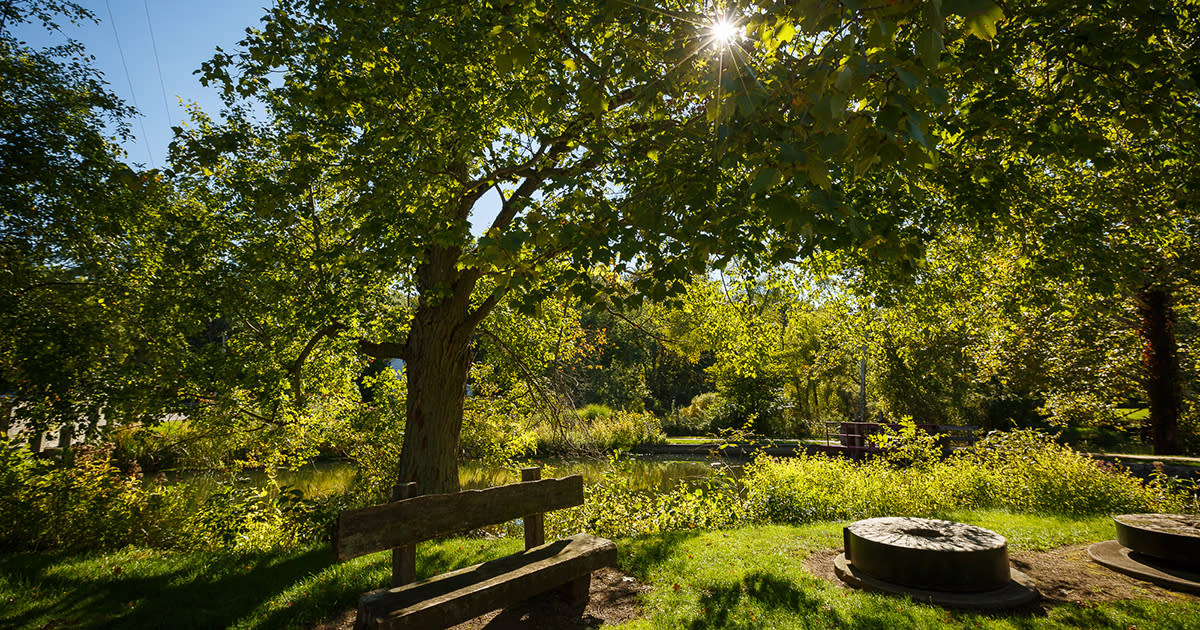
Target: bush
x=1022 y=471
x=88 y=505
x=495 y=431
x=907 y=444
x=175 y=444
x=1034 y=474
x=757 y=401
x=603 y=433
x=594 y=412
x=241 y=518
x=612 y=507
x=696 y=418
x=92 y=504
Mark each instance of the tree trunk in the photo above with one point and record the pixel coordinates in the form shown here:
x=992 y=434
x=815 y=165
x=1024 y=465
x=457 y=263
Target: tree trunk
x=439 y=358
x=1160 y=368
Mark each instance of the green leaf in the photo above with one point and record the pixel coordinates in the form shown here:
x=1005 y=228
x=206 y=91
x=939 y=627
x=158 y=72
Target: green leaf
x=764 y=179
x=504 y=62
x=844 y=80
x=864 y=165
x=966 y=8
x=819 y=174
x=982 y=16
x=984 y=25
x=914 y=130
x=930 y=45
x=909 y=79
x=785 y=32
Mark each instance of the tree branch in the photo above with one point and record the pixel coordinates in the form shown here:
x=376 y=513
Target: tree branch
x=474 y=318
x=529 y=378
x=330 y=330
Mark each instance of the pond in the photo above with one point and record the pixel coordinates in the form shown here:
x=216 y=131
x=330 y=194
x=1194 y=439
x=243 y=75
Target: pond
x=658 y=474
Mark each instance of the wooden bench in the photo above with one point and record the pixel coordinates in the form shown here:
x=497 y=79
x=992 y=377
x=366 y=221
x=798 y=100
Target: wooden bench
x=451 y=598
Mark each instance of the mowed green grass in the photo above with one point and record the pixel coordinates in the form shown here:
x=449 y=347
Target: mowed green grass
x=750 y=577
x=754 y=578
x=138 y=588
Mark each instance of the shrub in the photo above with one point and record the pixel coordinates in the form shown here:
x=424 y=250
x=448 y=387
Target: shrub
x=754 y=400
x=495 y=431
x=1035 y=474
x=1021 y=471
x=594 y=412
x=817 y=488
x=694 y=419
x=907 y=444
x=604 y=433
x=244 y=518
x=89 y=504
x=92 y=504
x=612 y=507
x=176 y=444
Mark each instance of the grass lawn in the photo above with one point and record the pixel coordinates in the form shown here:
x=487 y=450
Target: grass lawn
x=751 y=577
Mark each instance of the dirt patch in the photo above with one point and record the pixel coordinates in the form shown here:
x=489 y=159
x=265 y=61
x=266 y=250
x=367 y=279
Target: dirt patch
x=613 y=599
x=1063 y=576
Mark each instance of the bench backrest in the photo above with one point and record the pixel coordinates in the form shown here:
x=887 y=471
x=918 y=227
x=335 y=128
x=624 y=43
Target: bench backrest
x=410 y=521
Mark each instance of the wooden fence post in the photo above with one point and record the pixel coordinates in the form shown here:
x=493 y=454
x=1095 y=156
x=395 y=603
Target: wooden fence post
x=404 y=559
x=535 y=524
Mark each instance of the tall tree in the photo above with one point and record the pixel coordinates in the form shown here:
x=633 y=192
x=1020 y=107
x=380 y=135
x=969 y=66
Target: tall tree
x=630 y=136
x=1079 y=123
x=75 y=242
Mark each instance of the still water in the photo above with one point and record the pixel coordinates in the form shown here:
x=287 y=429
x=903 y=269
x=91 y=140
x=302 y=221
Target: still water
x=327 y=478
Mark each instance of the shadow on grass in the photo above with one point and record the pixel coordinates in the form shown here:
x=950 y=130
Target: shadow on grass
x=640 y=555
x=149 y=589
x=193 y=591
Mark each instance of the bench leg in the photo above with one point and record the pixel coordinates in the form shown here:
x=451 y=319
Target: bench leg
x=576 y=592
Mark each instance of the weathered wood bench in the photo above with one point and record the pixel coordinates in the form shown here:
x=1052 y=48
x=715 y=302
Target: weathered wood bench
x=444 y=600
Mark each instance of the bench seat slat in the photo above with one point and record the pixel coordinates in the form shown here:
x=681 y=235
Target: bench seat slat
x=452 y=598
x=410 y=521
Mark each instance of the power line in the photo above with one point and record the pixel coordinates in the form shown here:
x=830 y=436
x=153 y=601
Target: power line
x=157 y=62
x=129 y=79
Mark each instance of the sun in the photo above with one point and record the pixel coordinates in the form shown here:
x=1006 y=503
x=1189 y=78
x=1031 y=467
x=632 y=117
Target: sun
x=724 y=31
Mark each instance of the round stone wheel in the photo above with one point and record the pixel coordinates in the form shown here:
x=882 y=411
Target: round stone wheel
x=1172 y=538
x=928 y=554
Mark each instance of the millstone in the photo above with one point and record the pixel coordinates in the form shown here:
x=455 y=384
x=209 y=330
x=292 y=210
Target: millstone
x=928 y=554
x=1172 y=538
x=1122 y=559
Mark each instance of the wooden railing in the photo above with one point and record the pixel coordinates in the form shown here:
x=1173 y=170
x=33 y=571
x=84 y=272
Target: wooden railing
x=854 y=437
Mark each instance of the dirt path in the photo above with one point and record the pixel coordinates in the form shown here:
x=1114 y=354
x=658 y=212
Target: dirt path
x=1063 y=576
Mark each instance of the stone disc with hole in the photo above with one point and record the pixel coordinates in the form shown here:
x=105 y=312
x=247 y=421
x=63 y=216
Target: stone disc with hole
x=928 y=554
x=1172 y=538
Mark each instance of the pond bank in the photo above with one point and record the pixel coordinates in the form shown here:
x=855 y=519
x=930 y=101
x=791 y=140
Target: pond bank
x=1140 y=466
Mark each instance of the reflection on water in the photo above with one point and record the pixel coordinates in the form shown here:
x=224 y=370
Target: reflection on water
x=645 y=474
x=328 y=478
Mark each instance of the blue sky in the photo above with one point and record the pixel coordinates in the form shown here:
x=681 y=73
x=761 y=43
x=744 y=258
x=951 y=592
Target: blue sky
x=184 y=33
x=149 y=60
